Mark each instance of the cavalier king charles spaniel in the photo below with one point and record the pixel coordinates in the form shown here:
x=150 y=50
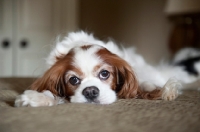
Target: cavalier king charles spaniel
x=83 y=69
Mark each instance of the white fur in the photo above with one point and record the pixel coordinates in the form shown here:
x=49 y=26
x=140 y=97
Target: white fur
x=145 y=72
x=35 y=99
x=170 y=89
x=86 y=60
x=106 y=95
x=149 y=77
x=185 y=54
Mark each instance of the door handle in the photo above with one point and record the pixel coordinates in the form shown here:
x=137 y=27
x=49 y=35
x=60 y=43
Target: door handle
x=24 y=44
x=5 y=43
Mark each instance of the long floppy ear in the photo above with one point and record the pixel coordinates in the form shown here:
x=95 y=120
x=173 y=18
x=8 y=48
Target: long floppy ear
x=53 y=80
x=125 y=79
x=126 y=82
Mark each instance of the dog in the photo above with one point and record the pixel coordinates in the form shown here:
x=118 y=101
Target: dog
x=83 y=69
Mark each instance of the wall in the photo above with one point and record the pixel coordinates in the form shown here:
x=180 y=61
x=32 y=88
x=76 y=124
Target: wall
x=141 y=23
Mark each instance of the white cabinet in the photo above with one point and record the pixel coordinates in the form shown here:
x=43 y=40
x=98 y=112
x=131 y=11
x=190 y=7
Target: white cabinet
x=6 y=26
x=28 y=29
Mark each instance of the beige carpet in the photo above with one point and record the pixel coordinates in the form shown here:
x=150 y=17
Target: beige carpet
x=126 y=115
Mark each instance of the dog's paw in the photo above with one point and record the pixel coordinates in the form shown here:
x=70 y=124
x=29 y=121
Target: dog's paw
x=170 y=89
x=35 y=99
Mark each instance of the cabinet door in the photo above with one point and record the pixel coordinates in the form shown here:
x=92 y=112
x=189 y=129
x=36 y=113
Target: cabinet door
x=37 y=24
x=6 y=42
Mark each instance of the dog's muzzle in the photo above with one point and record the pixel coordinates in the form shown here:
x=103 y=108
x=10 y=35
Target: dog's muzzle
x=91 y=93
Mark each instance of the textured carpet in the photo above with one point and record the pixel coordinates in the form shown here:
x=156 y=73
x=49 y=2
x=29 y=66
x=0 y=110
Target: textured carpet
x=125 y=115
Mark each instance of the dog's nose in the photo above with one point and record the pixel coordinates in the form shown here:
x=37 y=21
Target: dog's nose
x=91 y=92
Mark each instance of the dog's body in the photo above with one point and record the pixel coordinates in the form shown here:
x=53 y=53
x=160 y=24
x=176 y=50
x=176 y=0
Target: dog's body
x=86 y=70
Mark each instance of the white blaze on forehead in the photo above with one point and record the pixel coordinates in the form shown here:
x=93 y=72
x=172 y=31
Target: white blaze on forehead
x=86 y=59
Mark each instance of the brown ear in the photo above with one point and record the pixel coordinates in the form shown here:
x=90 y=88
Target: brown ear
x=127 y=84
x=52 y=80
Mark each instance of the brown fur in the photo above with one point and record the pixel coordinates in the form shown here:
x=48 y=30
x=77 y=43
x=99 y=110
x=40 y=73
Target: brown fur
x=54 y=78
x=124 y=81
x=86 y=47
x=153 y=95
x=127 y=87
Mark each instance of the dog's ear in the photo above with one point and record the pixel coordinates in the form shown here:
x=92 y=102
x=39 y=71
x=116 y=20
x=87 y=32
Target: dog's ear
x=126 y=82
x=53 y=80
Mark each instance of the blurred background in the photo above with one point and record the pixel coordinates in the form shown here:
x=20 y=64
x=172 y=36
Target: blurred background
x=157 y=28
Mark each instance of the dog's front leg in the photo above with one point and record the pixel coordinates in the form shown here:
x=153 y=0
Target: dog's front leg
x=168 y=92
x=35 y=99
x=170 y=89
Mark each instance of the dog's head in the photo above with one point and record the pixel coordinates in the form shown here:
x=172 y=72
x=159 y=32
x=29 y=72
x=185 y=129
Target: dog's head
x=89 y=74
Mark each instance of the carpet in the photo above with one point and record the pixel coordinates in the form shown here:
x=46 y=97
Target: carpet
x=125 y=115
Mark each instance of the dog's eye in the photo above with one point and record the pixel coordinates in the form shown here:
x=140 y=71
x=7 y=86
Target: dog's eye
x=74 y=80
x=104 y=74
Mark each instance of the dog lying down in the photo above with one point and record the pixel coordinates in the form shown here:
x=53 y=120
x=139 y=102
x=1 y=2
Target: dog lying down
x=83 y=69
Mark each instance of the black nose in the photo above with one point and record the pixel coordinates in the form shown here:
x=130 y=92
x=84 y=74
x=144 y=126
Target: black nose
x=91 y=92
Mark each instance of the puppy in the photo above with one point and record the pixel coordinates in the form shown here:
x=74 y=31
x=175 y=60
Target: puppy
x=83 y=69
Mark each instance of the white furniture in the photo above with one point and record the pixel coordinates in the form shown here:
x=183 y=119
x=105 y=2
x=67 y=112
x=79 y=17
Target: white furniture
x=27 y=30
